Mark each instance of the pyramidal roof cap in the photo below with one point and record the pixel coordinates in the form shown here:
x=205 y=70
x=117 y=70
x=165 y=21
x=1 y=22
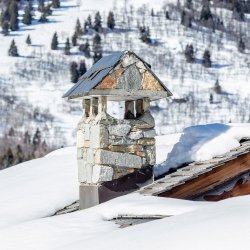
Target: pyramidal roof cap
x=100 y=70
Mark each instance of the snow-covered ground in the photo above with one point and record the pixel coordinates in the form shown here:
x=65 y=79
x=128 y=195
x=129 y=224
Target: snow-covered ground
x=33 y=190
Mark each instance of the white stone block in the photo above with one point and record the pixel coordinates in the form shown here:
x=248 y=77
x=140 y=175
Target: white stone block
x=98 y=136
x=79 y=139
x=119 y=130
x=89 y=170
x=102 y=173
x=82 y=174
x=105 y=157
x=149 y=133
x=86 y=128
x=135 y=135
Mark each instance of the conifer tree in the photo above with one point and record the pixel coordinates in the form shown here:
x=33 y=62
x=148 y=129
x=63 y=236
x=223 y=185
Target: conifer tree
x=54 y=43
x=241 y=46
x=145 y=34
x=27 y=138
x=85 y=49
x=19 y=154
x=5 y=28
x=167 y=15
x=9 y=158
x=36 y=141
x=78 y=28
x=189 y=53
x=189 y=4
x=28 y=40
x=74 y=39
x=13 y=10
x=41 y=5
x=217 y=88
x=111 y=20
x=67 y=47
x=98 y=22
x=56 y=4
x=82 y=68
x=97 y=56
x=43 y=18
x=27 y=17
x=13 y=49
x=74 y=74
x=89 y=22
x=206 y=60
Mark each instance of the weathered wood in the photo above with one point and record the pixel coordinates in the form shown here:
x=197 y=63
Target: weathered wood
x=211 y=179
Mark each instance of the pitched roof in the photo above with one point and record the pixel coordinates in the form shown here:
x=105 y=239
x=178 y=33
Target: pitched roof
x=99 y=71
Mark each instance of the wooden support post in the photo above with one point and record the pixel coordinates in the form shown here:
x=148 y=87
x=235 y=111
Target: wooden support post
x=129 y=110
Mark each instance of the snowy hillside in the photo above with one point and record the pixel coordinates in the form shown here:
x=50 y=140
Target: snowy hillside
x=33 y=83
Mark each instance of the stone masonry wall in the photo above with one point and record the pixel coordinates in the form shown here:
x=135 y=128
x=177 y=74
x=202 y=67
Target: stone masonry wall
x=108 y=148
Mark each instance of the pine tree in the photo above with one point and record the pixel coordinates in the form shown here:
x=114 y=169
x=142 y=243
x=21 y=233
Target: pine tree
x=56 y=4
x=28 y=40
x=54 y=43
x=97 y=56
x=19 y=154
x=111 y=20
x=67 y=47
x=9 y=158
x=189 y=53
x=85 y=49
x=206 y=61
x=36 y=141
x=78 y=28
x=43 y=18
x=82 y=68
x=27 y=138
x=5 y=28
x=217 y=88
x=167 y=15
x=152 y=12
x=98 y=22
x=206 y=13
x=13 y=10
x=238 y=10
x=186 y=19
x=27 y=17
x=11 y=132
x=241 y=46
x=41 y=5
x=89 y=22
x=74 y=74
x=189 y=4
x=74 y=39
x=145 y=34
x=211 y=98
x=13 y=49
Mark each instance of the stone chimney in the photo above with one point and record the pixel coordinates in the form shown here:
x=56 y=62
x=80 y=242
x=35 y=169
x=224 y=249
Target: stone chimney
x=116 y=156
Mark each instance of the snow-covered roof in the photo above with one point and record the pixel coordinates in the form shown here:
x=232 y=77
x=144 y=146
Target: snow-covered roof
x=102 y=68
